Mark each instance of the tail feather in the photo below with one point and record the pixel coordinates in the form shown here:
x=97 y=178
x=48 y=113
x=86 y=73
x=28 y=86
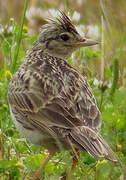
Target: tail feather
x=90 y=141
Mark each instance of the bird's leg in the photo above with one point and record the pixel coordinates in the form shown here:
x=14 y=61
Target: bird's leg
x=75 y=160
x=76 y=153
x=40 y=170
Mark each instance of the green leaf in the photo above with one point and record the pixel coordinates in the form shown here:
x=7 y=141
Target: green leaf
x=34 y=162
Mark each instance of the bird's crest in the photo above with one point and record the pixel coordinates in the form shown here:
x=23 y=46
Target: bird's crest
x=62 y=22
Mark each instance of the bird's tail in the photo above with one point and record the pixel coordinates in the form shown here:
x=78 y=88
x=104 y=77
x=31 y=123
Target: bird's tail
x=90 y=141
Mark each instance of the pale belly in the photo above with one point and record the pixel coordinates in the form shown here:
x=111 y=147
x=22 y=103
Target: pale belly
x=39 y=137
x=31 y=134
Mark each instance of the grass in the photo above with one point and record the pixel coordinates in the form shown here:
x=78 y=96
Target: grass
x=19 y=38
x=19 y=159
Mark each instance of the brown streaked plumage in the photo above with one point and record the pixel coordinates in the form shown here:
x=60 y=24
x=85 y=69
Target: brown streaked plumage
x=51 y=103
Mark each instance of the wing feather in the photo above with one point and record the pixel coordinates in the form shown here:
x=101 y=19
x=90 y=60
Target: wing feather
x=68 y=103
x=93 y=143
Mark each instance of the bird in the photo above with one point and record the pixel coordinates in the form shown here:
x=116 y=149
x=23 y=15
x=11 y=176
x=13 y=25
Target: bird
x=51 y=103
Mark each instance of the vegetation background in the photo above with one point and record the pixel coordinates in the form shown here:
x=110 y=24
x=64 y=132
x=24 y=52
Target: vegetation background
x=104 y=66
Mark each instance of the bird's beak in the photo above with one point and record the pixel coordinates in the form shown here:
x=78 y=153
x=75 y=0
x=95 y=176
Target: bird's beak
x=84 y=42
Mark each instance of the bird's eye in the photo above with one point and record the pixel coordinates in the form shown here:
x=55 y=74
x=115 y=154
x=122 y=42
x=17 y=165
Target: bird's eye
x=64 y=37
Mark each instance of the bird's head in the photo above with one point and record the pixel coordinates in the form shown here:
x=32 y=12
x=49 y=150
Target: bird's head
x=60 y=38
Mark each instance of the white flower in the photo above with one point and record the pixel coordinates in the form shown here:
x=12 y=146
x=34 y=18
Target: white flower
x=81 y=29
x=76 y=16
x=96 y=82
x=53 y=12
x=93 y=31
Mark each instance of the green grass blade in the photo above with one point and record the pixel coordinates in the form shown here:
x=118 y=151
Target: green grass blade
x=19 y=37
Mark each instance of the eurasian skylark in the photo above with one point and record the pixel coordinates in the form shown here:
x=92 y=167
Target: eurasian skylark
x=52 y=104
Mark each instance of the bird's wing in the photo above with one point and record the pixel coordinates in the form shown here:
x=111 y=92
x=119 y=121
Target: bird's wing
x=86 y=106
x=64 y=102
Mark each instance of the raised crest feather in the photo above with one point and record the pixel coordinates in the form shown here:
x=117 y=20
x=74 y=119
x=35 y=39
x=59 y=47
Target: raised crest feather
x=62 y=22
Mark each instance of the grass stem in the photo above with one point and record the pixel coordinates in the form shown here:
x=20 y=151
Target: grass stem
x=115 y=78
x=19 y=37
